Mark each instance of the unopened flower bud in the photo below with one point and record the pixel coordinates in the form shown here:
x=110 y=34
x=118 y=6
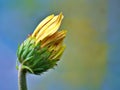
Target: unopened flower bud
x=44 y=47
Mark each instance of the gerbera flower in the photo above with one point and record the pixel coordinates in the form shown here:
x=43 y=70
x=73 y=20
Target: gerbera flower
x=44 y=47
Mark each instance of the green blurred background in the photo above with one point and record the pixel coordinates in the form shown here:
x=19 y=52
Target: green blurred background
x=91 y=59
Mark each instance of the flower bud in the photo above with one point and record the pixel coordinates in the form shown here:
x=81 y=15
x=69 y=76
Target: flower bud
x=42 y=49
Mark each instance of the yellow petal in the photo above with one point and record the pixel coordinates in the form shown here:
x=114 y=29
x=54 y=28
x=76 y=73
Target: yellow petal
x=56 y=37
x=43 y=29
x=46 y=20
x=54 y=27
x=51 y=29
x=60 y=52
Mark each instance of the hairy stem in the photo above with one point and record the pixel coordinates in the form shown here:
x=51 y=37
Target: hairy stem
x=22 y=85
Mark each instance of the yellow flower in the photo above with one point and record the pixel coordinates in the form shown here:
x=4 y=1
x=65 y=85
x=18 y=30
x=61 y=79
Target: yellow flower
x=44 y=47
x=46 y=33
x=47 y=27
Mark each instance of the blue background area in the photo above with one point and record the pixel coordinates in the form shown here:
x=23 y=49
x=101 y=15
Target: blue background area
x=18 y=18
x=112 y=81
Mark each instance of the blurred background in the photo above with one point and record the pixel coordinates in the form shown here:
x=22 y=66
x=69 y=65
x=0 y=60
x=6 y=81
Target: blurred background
x=92 y=57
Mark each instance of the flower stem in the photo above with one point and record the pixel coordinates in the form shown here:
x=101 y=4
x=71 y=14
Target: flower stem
x=22 y=85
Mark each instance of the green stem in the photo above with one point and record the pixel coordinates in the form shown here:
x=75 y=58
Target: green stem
x=22 y=85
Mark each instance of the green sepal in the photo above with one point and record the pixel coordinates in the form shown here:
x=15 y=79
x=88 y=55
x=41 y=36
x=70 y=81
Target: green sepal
x=28 y=45
x=19 y=52
x=27 y=59
x=27 y=68
x=34 y=58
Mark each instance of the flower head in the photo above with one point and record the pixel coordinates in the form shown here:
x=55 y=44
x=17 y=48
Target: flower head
x=44 y=47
